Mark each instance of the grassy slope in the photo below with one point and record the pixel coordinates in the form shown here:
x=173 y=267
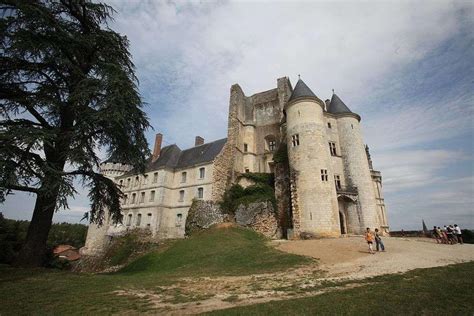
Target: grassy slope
x=230 y=251
x=436 y=291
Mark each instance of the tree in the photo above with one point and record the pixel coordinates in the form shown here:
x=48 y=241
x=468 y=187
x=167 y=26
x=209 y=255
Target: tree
x=67 y=90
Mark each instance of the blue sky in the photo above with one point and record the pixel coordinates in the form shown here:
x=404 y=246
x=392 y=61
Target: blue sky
x=406 y=67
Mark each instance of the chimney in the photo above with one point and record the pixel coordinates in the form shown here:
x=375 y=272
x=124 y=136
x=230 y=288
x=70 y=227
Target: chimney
x=199 y=141
x=157 y=149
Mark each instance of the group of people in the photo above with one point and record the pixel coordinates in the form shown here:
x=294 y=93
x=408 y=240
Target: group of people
x=450 y=235
x=370 y=237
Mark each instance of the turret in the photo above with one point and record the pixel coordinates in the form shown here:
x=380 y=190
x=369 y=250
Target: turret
x=314 y=199
x=356 y=165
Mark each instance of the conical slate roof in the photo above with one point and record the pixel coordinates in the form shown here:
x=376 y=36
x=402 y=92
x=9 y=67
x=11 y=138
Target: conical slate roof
x=337 y=106
x=301 y=91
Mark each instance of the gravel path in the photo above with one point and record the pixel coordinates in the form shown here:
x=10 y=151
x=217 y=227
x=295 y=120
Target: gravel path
x=349 y=257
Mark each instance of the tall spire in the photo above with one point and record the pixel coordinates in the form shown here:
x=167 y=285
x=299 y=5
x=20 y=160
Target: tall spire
x=302 y=91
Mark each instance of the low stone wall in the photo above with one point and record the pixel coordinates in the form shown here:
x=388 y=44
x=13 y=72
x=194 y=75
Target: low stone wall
x=259 y=216
x=202 y=215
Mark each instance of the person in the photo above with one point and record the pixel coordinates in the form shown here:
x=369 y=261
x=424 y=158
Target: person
x=453 y=233
x=435 y=235
x=443 y=235
x=378 y=241
x=369 y=237
x=458 y=232
x=449 y=234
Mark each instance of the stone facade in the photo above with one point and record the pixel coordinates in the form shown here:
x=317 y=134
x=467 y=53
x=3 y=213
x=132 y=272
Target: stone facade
x=326 y=188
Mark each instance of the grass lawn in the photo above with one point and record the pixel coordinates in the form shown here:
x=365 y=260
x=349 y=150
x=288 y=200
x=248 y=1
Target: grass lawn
x=231 y=251
x=437 y=291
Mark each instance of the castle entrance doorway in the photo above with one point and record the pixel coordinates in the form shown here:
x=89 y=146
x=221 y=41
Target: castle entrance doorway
x=342 y=222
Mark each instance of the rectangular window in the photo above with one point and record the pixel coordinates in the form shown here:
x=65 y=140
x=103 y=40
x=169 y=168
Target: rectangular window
x=202 y=173
x=337 y=181
x=324 y=175
x=129 y=219
x=272 y=145
x=155 y=177
x=200 y=193
x=142 y=197
x=137 y=181
x=128 y=182
x=148 y=220
x=295 y=140
x=179 y=220
x=183 y=177
x=329 y=125
x=145 y=179
x=332 y=148
x=181 y=196
x=139 y=219
x=134 y=196
x=246 y=148
x=120 y=183
x=125 y=199
x=152 y=196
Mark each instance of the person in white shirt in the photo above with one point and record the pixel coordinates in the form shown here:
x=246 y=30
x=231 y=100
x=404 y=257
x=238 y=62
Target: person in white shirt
x=458 y=232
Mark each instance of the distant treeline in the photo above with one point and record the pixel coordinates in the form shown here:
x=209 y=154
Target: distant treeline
x=13 y=233
x=467 y=234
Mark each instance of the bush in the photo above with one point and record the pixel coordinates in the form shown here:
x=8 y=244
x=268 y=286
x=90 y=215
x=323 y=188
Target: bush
x=262 y=190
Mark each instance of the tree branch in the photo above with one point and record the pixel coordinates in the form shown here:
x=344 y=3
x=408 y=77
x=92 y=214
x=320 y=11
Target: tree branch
x=21 y=188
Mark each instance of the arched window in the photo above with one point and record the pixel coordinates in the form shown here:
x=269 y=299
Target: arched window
x=139 y=220
x=148 y=221
x=129 y=219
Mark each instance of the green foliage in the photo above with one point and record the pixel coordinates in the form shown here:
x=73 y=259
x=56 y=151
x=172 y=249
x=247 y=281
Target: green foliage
x=468 y=236
x=13 y=235
x=281 y=155
x=262 y=190
x=68 y=90
x=219 y=251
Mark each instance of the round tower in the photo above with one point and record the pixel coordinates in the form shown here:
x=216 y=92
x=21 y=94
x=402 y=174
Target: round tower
x=356 y=165
x=314 y=199
x=113 y=169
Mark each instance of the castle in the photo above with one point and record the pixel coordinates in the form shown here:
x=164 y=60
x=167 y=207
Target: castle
x=328 y=181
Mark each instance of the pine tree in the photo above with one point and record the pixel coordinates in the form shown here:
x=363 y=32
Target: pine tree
x=67 y=90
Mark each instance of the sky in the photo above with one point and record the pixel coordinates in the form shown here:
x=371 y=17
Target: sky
x=406 y=67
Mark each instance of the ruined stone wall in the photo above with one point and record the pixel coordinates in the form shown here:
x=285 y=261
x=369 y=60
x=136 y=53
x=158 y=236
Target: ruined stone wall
x=259 y=216
x=283 y=196
x=222 y=172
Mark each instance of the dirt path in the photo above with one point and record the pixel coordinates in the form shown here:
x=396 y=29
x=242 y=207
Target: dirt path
x=349 y=257
x=342 y=262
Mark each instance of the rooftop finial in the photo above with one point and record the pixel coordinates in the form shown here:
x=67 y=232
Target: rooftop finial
x=332 y=91
x=299 y=76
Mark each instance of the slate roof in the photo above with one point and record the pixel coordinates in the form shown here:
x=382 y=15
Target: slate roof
x=301 y=91
x=174 y=158
x=337 y=106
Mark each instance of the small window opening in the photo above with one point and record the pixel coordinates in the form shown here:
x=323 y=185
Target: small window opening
x=202 y=173
x=139 y=219
x=246 y=148
x=152 y=196
x=148 y=222
x=337 y=180
x=129 y=220
x=155 y=177
x=295 y=140
x=332 y=148
x=179 y=219
x=181 y=196
x=329 y=125
x=183 y=177
x=324 y=175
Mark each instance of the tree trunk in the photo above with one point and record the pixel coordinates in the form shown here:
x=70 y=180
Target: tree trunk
x=33 y=252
